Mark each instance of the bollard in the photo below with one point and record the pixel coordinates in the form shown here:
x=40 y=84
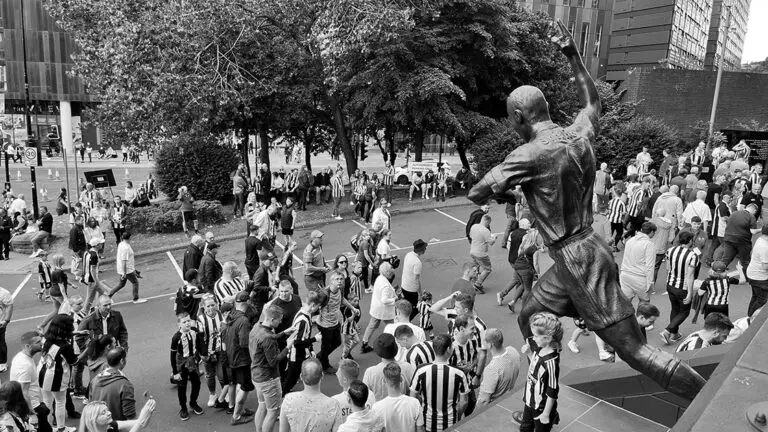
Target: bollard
x=18 y=175
x=50 y=174
x=127 y=174
x=58 y=176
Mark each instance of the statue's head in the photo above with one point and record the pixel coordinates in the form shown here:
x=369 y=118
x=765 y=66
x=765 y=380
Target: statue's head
x=526 y=106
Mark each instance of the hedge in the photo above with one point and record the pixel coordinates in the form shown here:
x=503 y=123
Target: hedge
x=199 y=163
x=165 y=217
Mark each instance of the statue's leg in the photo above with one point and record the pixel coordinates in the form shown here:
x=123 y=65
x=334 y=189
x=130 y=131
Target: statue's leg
x=669 y=372
x=549 y=294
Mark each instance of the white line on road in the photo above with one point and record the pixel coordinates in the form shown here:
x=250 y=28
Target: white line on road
x=175 y=265
x=358 y=224
x=451 y=217
x=294 y=255
x=21 y=285
x=115 y=304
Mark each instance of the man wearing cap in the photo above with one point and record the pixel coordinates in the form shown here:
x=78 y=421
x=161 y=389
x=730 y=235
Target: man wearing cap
x=193 y=254
x=126 y=269
x=314 y=262
x=91 y=271
x=236 y=338
x=411 y=278
x=210 y=269
x=386 y=348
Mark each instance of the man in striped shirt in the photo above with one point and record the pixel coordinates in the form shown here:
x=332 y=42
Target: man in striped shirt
x=417 y=353
x=209 y=326
x=717 y=231
x=388 y=180
x=717 y=327
x=683 y=265
x=636 y=204
x=337 y=192
x=616 y=211
x=226 y=288
x=303 y=345
x=442 y=388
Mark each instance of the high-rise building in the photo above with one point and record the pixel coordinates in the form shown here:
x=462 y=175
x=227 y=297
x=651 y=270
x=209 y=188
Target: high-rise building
x=56 y=97
x=658 y=33
x=739 y=10
x=589 y=21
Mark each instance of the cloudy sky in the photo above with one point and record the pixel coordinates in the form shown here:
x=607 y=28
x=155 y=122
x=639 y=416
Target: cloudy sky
x=756 y=45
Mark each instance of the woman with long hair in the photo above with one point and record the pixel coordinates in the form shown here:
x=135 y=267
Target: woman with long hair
x=97 y=418
x=341 y=265
x=55 y=368
x=59 y=286
x=97 y=354
x=14 y=408
x=92 y=230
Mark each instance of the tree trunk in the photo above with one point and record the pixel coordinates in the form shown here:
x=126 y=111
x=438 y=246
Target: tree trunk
x=381 y=147
x=341 y=133
x=389 y=137
x=264 y=148
x=392 y=152
x=418 y=144
x=244 y=151
x=308 y=139
x=462 y=151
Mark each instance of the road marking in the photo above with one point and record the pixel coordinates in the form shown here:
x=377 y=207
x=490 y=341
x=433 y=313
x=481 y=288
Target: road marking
x=358 y=224
x=21 y=285
x=115 y=304
x=451 y=217
x=294 y=255
x=175 y=265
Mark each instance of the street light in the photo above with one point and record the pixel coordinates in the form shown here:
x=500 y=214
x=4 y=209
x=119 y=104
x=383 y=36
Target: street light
x=720 y=66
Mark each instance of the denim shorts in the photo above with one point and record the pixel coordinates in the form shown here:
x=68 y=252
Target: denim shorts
x=269 y=393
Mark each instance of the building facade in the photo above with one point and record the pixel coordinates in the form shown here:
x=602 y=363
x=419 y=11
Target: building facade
x=56 y=97
x=589 y=21
x=739 y=11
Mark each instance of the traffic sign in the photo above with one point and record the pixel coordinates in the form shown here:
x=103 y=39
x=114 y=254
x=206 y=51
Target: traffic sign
x=30 y=154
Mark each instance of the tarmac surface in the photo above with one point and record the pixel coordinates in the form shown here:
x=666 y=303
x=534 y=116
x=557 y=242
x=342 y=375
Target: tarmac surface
x=151 y=325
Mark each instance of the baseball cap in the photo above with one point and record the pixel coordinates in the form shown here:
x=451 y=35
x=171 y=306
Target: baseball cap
x=96 y=241
x=242 y=297
x=385 y=346
x=316 y=234
x=718 y=266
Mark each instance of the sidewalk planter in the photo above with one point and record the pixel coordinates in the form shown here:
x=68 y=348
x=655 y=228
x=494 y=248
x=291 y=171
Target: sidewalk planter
x=165 y=217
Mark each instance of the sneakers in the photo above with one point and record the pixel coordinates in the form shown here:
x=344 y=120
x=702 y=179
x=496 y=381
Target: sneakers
x=196 y=408
x=66 y=429
x=675 y=338
x=240 y=421
x=511 y=306
x=211 y=401
x=517 y=417
x=221 y=405
x=574 y=347
x=499 y=299
x=4 y=367
x=666 y=337
x=248 y=413
x=140 y=301
x=365 y=349
x=184 y=414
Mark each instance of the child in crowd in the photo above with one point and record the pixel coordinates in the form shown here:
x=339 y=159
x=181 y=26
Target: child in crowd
x=717 y=287
x=350 y=327
x=356 y=284
x=580 y=330
x=44 y=271
x=425 y=315
x=187 y=346
x=542 y=387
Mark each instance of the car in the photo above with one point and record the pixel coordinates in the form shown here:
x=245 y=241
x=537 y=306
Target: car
x=403 y=173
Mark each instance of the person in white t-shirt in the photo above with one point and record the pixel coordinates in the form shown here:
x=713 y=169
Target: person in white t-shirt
x=400 y=412
x=348 y=371
x=24 y=371
x=481 y=239
x=411 y=278
x=403 y=311
x=384 y=248
x=362 y=418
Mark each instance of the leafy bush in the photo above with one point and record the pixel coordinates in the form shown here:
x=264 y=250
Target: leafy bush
x=493 y=147
x=199 y=163
x=165 y=217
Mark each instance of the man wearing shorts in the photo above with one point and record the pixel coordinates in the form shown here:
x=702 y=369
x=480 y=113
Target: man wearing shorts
x=265 y=360
x=556 y=170
x=481 y=239
x=236 y=341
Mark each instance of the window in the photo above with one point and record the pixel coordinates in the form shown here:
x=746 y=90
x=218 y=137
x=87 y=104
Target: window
x=596 y=4
x=598 y=39
x=572 y=28
x=580 y=3
x=584 y=37
x=2 y=78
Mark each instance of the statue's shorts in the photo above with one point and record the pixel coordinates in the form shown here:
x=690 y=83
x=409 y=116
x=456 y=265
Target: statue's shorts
x=583 y=282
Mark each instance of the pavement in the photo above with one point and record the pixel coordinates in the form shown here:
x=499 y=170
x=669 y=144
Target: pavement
x=152 y=324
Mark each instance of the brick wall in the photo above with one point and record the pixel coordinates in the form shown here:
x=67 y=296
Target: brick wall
x=684 y=97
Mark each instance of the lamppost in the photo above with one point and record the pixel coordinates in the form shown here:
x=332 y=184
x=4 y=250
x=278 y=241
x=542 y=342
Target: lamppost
x=31 y=142
x=720 y=66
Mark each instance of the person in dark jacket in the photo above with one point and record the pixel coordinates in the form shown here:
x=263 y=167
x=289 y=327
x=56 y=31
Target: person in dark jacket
x=260 y=288
x=210 y=270
x=252 y=247
x=235 y=339
x=474 y=218
x=113 y=388
x=305 y=182
x=94 y=323
x=6 y=225
x=193 y=255
x=77 y=244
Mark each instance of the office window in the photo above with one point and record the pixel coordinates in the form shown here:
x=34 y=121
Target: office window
x=2 y=78
x=572 y=28
x=566 y=2
x=598 y=39
x=580 y=3
x=584 y=37
x=596 y=4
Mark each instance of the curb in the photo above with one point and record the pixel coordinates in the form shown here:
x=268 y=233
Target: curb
x=314 y=223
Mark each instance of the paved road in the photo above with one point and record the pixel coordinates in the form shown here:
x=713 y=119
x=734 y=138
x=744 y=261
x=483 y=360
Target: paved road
x=151 y=325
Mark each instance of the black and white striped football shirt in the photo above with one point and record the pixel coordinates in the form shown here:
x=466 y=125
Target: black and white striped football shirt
x=679 y=259
x=223 y=289
x=692 y=342
x=439 y=385
x=420 y=353
x=617 y=209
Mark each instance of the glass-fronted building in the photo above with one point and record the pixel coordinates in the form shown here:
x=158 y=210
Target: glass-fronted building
x=739 y=11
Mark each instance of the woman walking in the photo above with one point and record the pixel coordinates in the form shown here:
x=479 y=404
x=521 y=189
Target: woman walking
x=59 y=285
x=55 y=368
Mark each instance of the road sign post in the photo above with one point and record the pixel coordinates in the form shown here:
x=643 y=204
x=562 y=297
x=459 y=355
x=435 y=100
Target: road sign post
x=30 y=155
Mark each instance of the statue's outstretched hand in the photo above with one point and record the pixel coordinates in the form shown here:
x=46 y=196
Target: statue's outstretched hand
x=563 y=38
x=482 y=192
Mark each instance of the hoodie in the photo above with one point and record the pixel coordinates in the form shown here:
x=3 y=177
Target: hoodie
x=662 y=238
x=235 y=339
x=673 y=206
x=113 y=388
